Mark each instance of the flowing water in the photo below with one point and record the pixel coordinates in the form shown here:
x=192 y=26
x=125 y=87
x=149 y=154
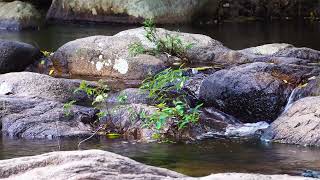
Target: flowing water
x=196 y=159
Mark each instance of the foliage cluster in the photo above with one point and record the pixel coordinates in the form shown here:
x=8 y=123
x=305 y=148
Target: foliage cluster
x=98 y=94
x=165 y=88
x=170 y=44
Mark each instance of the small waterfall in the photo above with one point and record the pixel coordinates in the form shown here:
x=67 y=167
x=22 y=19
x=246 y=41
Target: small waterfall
x=292 y=99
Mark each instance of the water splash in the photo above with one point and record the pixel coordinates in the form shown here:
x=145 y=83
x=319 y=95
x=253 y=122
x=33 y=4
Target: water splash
x=246 y=130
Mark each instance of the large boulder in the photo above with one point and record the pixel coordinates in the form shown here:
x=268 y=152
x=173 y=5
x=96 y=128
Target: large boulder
x=16 y=56
x=18 y=15
x=30 y=118
x=92 y=164
x=28 y=84
x=204 y=49
x=109 y=56
x=96 y=164
x=125 y=11
x=300 y=124
x=253 y=92
x=104 y=56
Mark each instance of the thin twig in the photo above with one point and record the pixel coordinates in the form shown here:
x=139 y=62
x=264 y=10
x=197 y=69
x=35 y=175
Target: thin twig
x=89 y=137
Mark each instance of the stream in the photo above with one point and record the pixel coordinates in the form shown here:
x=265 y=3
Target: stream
x=232 y=35
x=195 y=159
x=198 y=158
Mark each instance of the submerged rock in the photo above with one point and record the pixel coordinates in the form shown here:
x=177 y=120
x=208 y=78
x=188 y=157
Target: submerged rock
x=16 y=56
x=96 y=164
x=300 y=124
x=38 y=118
x=18 y=15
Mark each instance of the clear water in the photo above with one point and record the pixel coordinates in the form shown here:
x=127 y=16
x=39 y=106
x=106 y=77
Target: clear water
x=196 y=159
x=233 y=35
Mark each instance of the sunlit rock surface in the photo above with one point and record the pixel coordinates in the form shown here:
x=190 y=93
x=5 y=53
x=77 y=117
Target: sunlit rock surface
x=300 y=124
x=104 y=56
x=28 y=84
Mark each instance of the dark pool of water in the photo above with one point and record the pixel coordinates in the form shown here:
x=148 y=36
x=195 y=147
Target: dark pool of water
x=197 y=159
x=233 y=35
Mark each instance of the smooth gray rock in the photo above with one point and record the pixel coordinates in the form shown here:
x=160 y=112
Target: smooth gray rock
x=104 y=57
x=30 y=84
x=38 y=118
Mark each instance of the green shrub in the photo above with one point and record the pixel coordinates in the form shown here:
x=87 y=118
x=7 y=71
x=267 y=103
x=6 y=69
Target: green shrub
x=170 y=44
x=165 y=88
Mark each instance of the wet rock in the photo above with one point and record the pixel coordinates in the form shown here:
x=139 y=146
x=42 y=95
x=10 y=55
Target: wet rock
x=128 y=11
x=300 y=124
x=18 y=15
x=104 y=57
x=254 y=92
x=29 y=84
x=16 y=56
x=30 y=118
x=92 y=164
x=310 y=88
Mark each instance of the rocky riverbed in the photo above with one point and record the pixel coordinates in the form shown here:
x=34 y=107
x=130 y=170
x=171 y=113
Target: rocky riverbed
x=270 y=91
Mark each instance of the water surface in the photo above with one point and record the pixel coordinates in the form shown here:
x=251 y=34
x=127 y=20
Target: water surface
x=196 y=159
x=233 y=35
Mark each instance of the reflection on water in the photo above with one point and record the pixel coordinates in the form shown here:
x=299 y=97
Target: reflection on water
x=198 y=159
x=233 y=35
